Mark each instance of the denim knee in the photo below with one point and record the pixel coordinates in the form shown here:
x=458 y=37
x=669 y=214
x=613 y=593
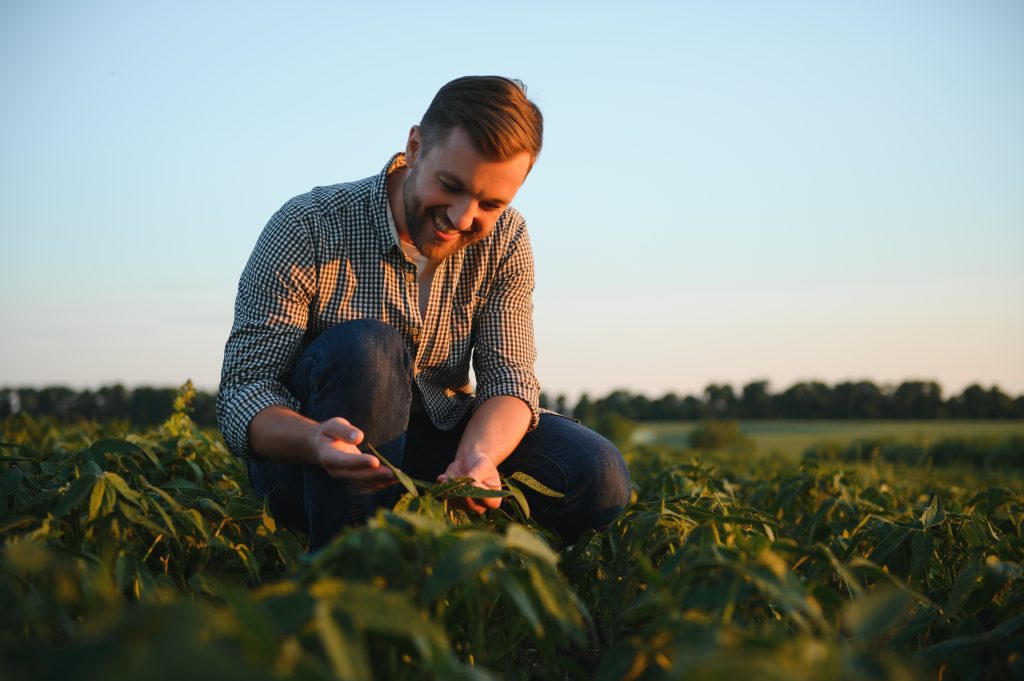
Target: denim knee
x=366 y=355
x=360 y=345
x=582 y=464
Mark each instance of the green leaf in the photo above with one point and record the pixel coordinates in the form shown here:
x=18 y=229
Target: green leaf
x=403 y=502
x=555 y=604
x=871 y=616
x=75 y=495
x=965 y=582
x=530 y=543
x=133 y=515
x=921 y=547
x=934 y=514
x=249 y=560
x=514 y=590
x=118 y=484
x=463 y=561
x=888 y=543
x=474 y=492
x=520 y=498
x=533 y=484
x=210 y=505
x=404 y=479
x=102 y=499
x=266 y=517
x=345 y=649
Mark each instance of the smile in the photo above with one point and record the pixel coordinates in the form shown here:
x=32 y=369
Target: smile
x=442 y=227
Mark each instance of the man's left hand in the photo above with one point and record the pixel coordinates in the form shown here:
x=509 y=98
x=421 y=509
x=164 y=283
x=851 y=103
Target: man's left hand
x=484 y=474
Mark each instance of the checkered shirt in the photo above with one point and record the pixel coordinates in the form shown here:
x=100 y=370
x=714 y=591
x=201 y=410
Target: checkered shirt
x=331 y=256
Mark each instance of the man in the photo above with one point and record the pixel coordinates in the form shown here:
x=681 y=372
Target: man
x=357 y=316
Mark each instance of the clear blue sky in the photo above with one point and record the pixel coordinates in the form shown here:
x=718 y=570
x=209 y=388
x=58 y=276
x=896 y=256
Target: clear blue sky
x=728 y=191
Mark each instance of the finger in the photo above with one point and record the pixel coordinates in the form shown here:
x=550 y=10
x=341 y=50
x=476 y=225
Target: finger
x=363 y=476
x=341 y=429
x=341 y=460
x=371 y=485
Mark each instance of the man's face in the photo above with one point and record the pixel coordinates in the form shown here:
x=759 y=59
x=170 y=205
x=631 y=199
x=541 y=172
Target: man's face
x=452 y=195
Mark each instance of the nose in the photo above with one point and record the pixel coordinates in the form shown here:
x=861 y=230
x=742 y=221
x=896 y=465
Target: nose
x=462 y=215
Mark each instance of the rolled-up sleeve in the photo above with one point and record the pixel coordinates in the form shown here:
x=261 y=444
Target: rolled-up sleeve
x=505 y=352
x=271 y=316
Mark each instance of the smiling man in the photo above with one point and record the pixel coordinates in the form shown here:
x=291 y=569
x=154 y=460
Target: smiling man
x=359 y=313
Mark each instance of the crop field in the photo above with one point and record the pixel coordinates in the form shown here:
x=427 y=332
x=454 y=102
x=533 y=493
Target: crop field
x=792 y=438
x=146 y=556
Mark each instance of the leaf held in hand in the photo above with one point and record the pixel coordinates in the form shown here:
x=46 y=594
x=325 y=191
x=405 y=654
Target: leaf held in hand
x=533 y=484
x=406 y=481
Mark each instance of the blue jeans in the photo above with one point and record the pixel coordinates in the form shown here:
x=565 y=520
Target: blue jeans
x=360 y=370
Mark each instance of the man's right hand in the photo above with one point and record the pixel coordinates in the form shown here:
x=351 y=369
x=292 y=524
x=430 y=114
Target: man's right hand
x=334 y=444
x=279 y=434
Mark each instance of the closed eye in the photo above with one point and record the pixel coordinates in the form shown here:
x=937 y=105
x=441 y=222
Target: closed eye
x=450 y=187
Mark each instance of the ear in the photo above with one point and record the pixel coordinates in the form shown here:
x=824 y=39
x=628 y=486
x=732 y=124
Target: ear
x=413 y=147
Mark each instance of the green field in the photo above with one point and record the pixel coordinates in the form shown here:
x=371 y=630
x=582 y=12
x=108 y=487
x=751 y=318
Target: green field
x=145 y=555
x=791 y=439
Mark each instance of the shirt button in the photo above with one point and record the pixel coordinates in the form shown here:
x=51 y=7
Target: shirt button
x=414 y=332
x=410 y=277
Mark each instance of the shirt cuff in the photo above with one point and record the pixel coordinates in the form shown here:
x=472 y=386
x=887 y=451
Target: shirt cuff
x=237 y=409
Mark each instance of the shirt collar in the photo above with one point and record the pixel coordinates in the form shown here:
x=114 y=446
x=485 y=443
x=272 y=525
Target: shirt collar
x=387 y=235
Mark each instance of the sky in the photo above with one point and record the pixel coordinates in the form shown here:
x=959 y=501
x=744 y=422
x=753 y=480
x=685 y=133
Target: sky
x=729 y=191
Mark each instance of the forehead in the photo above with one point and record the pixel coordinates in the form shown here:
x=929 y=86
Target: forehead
x=457 y=157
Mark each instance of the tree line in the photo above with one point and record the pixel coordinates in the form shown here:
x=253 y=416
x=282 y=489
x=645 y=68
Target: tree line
x=144 y=406
x=806 y=400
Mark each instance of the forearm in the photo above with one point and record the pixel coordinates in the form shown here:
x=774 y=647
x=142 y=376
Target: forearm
x=495 y=429
x=279 y=434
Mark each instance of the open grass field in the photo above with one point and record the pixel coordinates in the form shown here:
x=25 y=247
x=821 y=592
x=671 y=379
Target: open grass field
x=790 y=439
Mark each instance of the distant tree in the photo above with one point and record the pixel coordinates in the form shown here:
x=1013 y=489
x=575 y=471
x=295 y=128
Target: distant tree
x=691 y=408
x=561 y=406
x=640 y=407
x=583 y=410
x=618 y=402
x=618 y=429
x=859 y=400
x=151 y=405
x=112 y=402
x=543 y=402
x=804 y=400
x=977 y=403
x=666 y=408
x=756 y=401
x=720 y=402
x=916 y=400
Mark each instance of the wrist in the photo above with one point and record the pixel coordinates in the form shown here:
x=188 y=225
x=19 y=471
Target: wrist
x=473 y=452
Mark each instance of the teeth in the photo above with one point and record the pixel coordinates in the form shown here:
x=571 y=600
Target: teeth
x=443 y=228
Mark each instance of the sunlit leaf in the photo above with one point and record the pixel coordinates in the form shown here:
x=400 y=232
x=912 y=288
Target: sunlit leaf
x=519 y=537
x=404 y=479
x=934 y=514
x=75 y=495
x=535 y=485
x=520 y=498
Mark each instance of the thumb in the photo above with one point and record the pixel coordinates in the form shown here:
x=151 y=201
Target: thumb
x=340 y=429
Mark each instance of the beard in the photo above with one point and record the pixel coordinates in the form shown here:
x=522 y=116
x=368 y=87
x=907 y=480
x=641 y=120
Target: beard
x=419 y=223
